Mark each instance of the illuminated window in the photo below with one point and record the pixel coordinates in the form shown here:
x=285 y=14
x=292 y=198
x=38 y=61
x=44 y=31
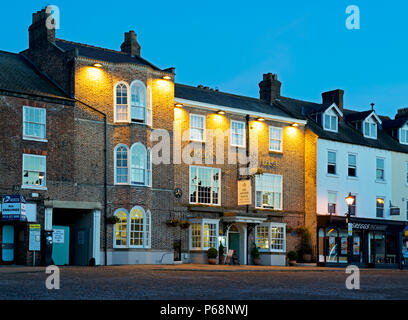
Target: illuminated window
x=121 y=228
x=205 y=185
x=121 y=103
x=138 y=101
x=268 y=191
x=204 y=234
x=197 y=127
x=34 y=123
x=237 y=133
x=121 y=164
x=34 y=171
x=380 y=169
x=275 y=139
x=271 y=237
x=380 y=207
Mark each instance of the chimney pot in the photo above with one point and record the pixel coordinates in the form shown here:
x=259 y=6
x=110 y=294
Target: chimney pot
x=39 y=34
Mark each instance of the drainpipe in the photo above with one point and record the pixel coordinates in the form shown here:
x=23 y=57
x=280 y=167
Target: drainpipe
x=247 y=151
x=105 y=183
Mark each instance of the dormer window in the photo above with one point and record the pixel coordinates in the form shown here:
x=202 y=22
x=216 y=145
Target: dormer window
x=403 y=134
x=370 y=128
x=330 y=121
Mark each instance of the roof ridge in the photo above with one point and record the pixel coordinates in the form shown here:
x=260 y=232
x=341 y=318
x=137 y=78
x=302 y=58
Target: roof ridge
x=8 y=52
x=294 y=99
x=92 y=46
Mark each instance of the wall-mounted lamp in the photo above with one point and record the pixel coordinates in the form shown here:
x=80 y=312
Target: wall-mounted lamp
x=97 y=65
x=166 y=77
x=178 y=105
x=295 y=124
x=260 y=119
x=220 y=112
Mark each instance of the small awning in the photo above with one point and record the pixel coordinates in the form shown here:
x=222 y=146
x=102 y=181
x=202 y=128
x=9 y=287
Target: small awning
x=243 y=219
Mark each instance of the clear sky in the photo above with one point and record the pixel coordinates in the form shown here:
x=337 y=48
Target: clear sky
x=230 y=44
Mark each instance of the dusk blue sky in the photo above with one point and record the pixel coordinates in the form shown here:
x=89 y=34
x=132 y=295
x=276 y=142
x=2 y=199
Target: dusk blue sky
x=230 y=44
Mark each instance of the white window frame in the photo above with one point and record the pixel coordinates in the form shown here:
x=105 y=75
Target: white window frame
x=350 y=166
x=202 y=223
x=131 y=164
x=25 y=121
x=376 y=206
x=273 y=191
x=276 y=129
x=140 y=84
x=406 y=173
x=240 y=134
x=115 y=104
x=115 y=164
x=370 y=121
x=383 y=169
x=335 y=203
x=211 y=194
x=149 y=167
x=115 y=245
x=271 y=225
x=335 y=163
x=192 y=115
x=331 y=114
x=149 y=115
x=404 y=129
x=28 y=186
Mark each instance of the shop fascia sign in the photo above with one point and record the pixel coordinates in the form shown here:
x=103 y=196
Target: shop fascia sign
x=13 y=207
x=369 y=226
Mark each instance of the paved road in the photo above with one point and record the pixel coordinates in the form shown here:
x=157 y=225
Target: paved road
x=148 y=282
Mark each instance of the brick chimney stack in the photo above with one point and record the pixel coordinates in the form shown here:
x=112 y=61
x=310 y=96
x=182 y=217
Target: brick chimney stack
x=38 y=32
x=334 y=96
x=402 y=113
x=269 y=88
x=130 y=45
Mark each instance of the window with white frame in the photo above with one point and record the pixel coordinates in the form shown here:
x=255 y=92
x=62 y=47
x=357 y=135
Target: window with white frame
x=331 y=162
x=205 y=185
x=34 y=171
x=34 y=123
x=121 y=164
x=268 y=191
x=138 y=161
x=275 y=139
x=133 y=230
x=271 y=237
x=370 y=128
x=403 y=134
x=380 y=169
x=149 y=168
x=332 y=202
x=352 y=165
x=353 y=208
x=330 y=120
x=121 y=102
x=204 y=234
x=237 y=133
x=138 y=101
x=197 y=127
x=379 y=207
x=406 y=173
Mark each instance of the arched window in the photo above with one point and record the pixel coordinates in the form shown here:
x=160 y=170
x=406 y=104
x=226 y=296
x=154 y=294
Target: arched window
x=121 y=102
x=138 y=101
x=120 y=239
x=138 y=159
x=149 y=168
x=121 y=164
x=139 y=235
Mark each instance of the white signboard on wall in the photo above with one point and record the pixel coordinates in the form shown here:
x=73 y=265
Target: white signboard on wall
x=58 y=236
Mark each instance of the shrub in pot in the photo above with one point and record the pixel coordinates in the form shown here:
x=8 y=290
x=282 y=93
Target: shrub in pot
x=212 y=255
x=292 y=257
x=256 y=256
x=306 y=250
x=221 y=256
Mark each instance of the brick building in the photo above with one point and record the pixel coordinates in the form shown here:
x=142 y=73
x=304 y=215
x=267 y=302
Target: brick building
x=82 y=149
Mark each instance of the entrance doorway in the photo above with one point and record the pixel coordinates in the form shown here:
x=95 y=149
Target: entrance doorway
x=7 y=244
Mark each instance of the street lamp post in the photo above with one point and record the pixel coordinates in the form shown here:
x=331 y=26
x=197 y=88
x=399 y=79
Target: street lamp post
x=350 y=202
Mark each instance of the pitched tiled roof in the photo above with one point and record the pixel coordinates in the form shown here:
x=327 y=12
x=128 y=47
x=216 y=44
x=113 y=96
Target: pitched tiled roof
x=17 y=75
x=227 y=100
x=102 y=54
x=357 y=115
x=346 y=132
x=397 y=123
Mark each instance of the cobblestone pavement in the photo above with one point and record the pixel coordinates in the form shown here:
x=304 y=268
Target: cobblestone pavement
x=201 y=282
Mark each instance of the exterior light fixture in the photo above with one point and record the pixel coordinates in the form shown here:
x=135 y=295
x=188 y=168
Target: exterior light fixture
x=260 y=119
x=220 y=112
x=166 y=77
x=97 y=65
x=295 y=124
x=350 y=200
x=178 y=105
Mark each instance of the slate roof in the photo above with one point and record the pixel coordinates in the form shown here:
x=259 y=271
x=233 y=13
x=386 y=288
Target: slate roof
x=228 y=100
x=17 y=75
x=102 y=54
x=397 y=123
x=346 y=132
x=357 y=115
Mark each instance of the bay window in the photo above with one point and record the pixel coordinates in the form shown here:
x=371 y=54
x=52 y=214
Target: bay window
x=138 y=101
x=204 y=234
x=271 y=237
x=121 y=103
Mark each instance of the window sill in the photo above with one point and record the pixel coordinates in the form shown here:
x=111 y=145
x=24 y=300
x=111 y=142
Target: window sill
x=353 y=178
x=35 y=139
x=330 y=175
x=276 y=151
x=237 y=146
x=381 y=181
x=34 y=188
x=197 y=141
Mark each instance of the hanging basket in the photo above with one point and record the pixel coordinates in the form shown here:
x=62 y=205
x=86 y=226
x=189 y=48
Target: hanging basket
x=184 y=224
x=172 y=223
x=112 y=220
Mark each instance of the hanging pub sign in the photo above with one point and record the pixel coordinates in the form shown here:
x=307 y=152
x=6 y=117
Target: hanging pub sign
x=244 y=192
x=13 y=208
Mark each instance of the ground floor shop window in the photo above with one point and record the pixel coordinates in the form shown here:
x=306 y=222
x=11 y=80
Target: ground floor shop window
x=204 y=234
x=132 y=229
x=271 y=237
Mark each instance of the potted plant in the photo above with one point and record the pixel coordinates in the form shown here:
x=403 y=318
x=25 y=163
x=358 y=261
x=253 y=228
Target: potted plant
x=172 y=222
x=292 y=257
x=184 y=224
x=221 y=256
x=212 y=254
x=306 y=247
x=256 y=256
x=112 y=220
